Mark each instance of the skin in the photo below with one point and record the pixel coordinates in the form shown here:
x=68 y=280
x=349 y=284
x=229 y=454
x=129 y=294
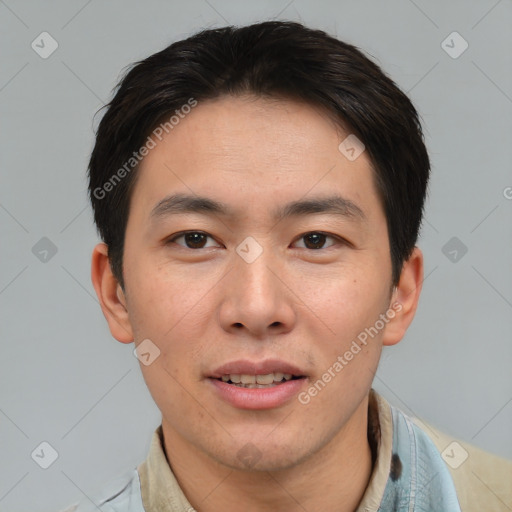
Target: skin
x=206 y=306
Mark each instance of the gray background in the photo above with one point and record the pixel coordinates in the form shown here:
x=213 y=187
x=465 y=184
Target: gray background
x=66 y=381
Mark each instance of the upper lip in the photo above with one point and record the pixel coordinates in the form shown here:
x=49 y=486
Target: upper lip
x=246 y=367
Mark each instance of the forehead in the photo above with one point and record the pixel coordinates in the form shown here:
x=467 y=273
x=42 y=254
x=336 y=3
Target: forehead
x=270 y=130
x=251 y=149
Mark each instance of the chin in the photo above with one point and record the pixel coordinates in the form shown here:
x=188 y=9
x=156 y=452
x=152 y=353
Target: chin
x=261 y=457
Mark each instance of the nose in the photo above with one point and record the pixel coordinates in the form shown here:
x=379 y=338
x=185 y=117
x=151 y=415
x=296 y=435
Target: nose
x=257 y=299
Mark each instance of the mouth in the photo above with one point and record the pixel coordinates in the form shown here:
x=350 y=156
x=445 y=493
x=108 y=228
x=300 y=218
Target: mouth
x=253 y=385
x=261 y=381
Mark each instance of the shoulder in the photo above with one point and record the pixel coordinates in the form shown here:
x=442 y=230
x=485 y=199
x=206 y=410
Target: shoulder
x=483 y=481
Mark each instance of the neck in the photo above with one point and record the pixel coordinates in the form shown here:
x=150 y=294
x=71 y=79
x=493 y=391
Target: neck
x=333 y=478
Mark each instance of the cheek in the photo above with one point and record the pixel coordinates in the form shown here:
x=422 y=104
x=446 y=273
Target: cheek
x=345 y=303
x=160 y=297
x=174 y=315
x=168 y=385
x=347 y=307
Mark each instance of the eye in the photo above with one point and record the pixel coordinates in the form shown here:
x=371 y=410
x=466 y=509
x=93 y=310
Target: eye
x=317 y=239
x=191 y=239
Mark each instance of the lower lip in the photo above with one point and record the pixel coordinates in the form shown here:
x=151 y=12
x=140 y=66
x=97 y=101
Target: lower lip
x=258 y=398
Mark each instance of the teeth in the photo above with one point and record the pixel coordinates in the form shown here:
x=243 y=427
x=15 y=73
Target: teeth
x=248 y=379
x=265 y=379
x=256 y=381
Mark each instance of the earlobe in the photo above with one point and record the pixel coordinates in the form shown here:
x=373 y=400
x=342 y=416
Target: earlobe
x=110 y=295
x=405 y=297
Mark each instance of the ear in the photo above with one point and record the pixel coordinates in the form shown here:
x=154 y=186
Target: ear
x=404 y=299
x=110 y=295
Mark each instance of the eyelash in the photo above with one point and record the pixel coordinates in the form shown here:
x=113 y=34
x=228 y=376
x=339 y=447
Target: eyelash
x=327 y=235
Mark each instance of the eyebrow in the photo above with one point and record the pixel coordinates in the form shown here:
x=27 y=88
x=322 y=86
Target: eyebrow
x=182 y=203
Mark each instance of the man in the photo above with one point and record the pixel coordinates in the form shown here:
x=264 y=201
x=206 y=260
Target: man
x=259 y=193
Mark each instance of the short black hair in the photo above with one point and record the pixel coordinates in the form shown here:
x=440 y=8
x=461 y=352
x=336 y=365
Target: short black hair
x=272 y=59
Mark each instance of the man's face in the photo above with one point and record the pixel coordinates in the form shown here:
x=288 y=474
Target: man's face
x=250 y=292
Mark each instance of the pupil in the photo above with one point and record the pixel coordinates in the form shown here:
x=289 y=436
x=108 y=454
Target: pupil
x=315 y=239
x=194 y=239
